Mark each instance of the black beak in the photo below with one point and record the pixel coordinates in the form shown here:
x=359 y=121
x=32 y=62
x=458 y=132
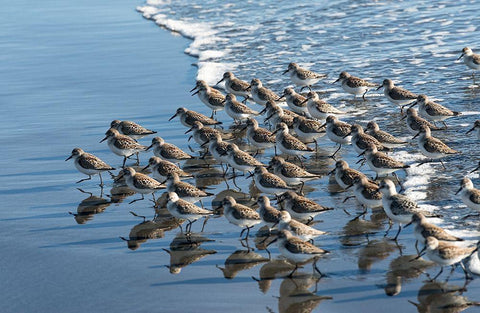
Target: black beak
x=274 y=240
x=193 y=94
x=263 y=111
x=150 y=146
x=283 y=96
x=403 y=117
x=69 y=158
x=193 y=88
x=306 y=100
x=323 y=125
x=347 y=135
x=148 y=165
x=204 y=144
x=459 y=189
x=408 y=224
x=336 y=81
x=221 y=80
x=379 y=87
x=268 y=118
x=413 y=104
x=285 y=72
x=251 y=175
x=416 y=135
x=470 y=130
x=331 y=172
x=349 y=187
x=189 y=130
x=475 y=169
x=363 y=153
x=104 y=139
x=276 y=130
x=461 y=56
x=248 y=88
x=175 y=115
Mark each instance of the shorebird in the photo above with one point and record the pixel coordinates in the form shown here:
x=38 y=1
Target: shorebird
x=240 y=215
x=414 y=122
x=476 y=127
x=297 y=251
x=267 y=182
x=236 y=86
x=241 y=160
x=141 y=183
x=211 y=97
x=381 y=163
x=289 y=144
x=470 y=195
x=184 y=190
x=432 y=110
x=122 y=145
x=354 y=85
x=338 y=132
x=131 y=129
x=367 y=193
x=89 y=164
x=445 y=254
x=303 y=77
x=237 y=110
x=295 y=101
x=344 y=175
x=308 y=130
x=168 y=151
x=360 y=140
x=399 y=208
x=397 y=95
x=301 y=208
x=297 y=228
x=385 y=138
x=291 y=173
x=257 y=136
x=279 y=115
x=269 y=215
x=188 y=117
x=318 y=108
x=162 y=168
x=185 y=210
x=432 y=147
x=202 y=134
x=218 y=148
x=471 y=59
x=261 y=94
x=423 y=229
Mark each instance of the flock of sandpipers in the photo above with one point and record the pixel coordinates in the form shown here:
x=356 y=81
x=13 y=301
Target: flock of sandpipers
x=283 y=180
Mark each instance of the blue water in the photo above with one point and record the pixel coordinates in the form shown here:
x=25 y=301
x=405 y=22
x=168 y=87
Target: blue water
x=68 y=69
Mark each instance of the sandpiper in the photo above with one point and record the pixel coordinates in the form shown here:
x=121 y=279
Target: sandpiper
x=301 y=208
x=354 y=85
x=188 y=117
x=385 y=138
x=471 y=59
x=308 y=130
x=240 y=215
x=399 y=208
x=470 y=195
x=131 y=129
x=432 y=147
x=444 y=254
x=295 y=101
x=414 y=122
x=360 y=140
x=397 y=95
x=318 y=108
x=89 y=164
x=269 y=215
x=278 y=115
x=184 y=190
x=297 y=251
x=218 y=148
x=236 y=86
x=202 y=134
x=162 y=168
x=261 y=94
x=303 y=77
x=367 y=193
x=338 y=132
x=241 y=160
x=381 y=163
x=291 y=173
x=122 y=145
x=432 y=110
x=344 y=175
x=168 y=151
x=185 y=210
x=289 y=144
x=259 y=137
x=476 y=127
x=269 y=183
x=423 y=229
x=237 y=110
x=141 y=183
x=211 y=97
x=297 y=228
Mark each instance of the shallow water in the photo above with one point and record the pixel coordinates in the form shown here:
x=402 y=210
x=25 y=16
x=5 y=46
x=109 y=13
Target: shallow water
x=71 y=68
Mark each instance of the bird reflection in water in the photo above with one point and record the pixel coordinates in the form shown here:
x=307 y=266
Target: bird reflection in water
x=89 y=207
x=356 y=231
x=241 y=260
x=402 y=269
x=439 y=297
x=374 y=251
x=185 y=249
x=271 y=270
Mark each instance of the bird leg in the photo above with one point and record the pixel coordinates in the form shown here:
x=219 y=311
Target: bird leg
x=436 y=276
x=333 y=155
x=204 y=223
x=136 y=200
x=89 y=177
x=101 y=180
x=398 y=232
x=294 y=270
